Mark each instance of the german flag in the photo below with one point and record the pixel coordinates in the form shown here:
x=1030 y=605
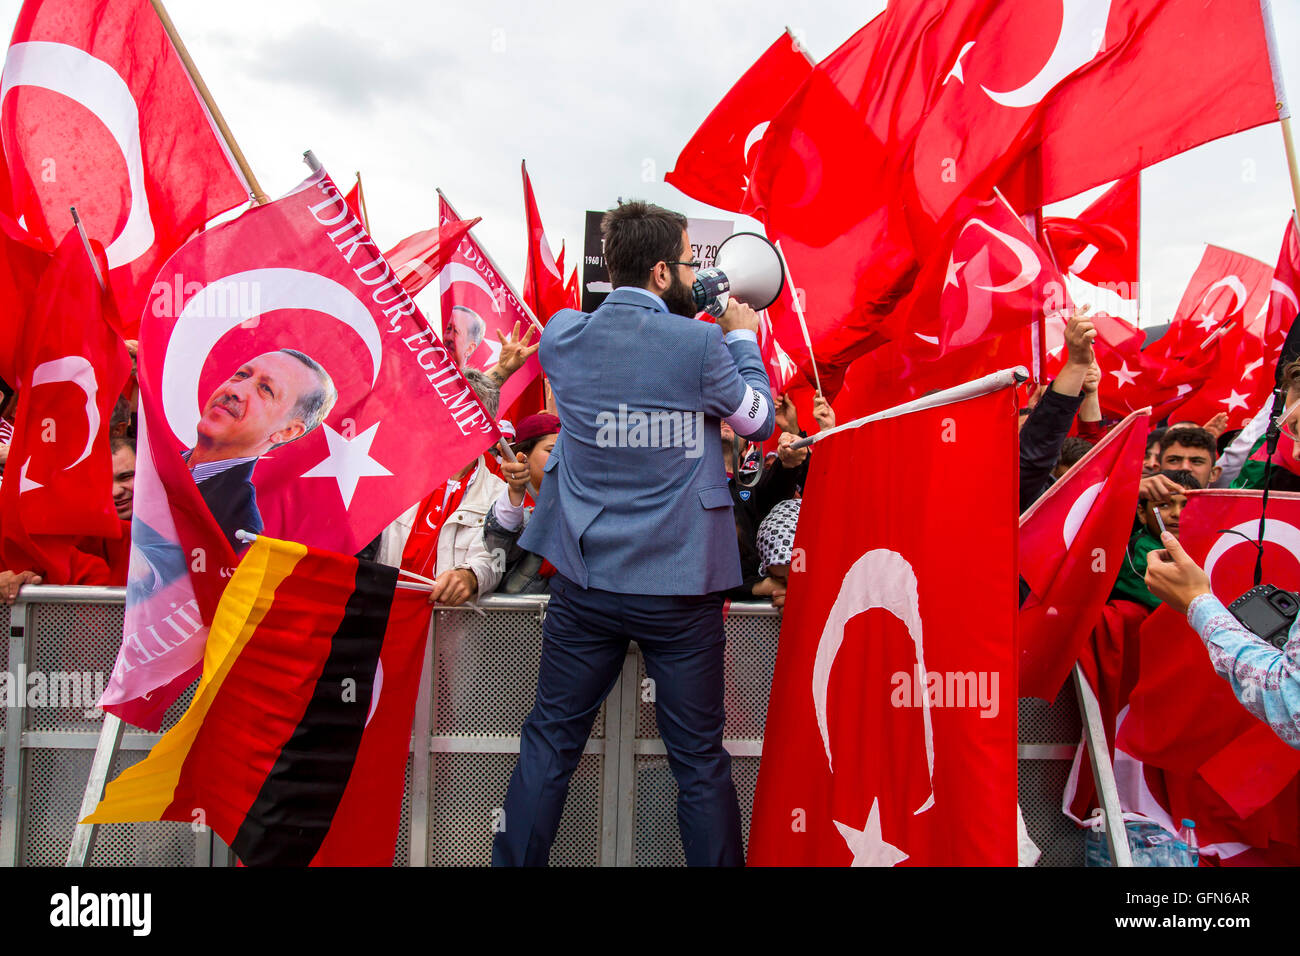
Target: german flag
x=294 y=748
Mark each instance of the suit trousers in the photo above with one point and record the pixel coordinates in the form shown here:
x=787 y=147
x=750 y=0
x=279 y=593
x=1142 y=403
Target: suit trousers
x=584 y=641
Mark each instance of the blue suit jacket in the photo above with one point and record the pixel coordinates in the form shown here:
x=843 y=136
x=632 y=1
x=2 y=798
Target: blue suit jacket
x=635 y=497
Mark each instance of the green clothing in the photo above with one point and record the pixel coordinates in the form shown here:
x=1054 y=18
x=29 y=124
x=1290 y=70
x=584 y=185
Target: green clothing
x=1131 y=583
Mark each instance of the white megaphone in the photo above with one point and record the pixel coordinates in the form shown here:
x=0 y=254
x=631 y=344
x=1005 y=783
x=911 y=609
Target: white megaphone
x=748 y=268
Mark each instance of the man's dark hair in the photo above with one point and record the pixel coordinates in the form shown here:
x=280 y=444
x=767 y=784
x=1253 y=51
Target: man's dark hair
x=1189 y=436
x=313 y=406
x=1226 y=439
x=1179 y=477
x=637 y=236
x=1153 y=438
x=118 y=442
x=1072 y=450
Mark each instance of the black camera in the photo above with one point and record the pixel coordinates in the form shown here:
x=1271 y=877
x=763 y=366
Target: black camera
x=1268 y=612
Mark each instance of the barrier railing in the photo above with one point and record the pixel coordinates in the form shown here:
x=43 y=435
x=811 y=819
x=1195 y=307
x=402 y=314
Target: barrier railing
x=480 y=674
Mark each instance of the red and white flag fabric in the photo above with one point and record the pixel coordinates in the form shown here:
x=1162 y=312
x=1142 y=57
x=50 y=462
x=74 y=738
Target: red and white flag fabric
x=478 y=304
x=22 y=263
x=357 y=204
x=891 y=727
x=995 y=278
x=1227 y=287
x=289 y=385
x=418 y=258
x=781 y=370
x=714 y=165
x=1072 y=543
x=1102 y=245
x=543 y=275
x=1284 y=290
x=98 y=112
x=934 y=103
x=70 y=369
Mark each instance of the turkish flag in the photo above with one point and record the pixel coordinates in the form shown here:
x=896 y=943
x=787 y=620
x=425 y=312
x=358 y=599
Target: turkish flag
x=22 y=264
x=543 y=276
x=1240 y=383
x=1226 y=287
x=70 y=369
x=1102 y=246
x=356 y=205
x=891 y=727
x=714 y=165
x=573 y=292
x=1284 y=290
x=1238 y=784
x=781 y=370
x=99 y=113
x=418 y=258
x=1072 y=543
x=478 y=304
x=218 y=385
x=995 y=278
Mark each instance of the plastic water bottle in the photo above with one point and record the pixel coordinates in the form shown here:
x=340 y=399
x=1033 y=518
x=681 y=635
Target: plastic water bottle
x=1188 y=835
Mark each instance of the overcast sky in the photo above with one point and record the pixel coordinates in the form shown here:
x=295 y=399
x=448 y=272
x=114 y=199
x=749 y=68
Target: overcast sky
x=599 y=98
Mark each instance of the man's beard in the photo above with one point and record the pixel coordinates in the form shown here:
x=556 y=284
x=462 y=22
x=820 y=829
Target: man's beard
x=680 y=298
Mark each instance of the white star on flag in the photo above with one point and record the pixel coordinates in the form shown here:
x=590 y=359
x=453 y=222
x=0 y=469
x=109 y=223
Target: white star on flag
x=867 y=845
x=348 y=462
x=26 y=484
x=951 y=277
x=1234 y=400
x=956 y=67
x=1207 y=321
x=1183 y=390
x=1125 y=375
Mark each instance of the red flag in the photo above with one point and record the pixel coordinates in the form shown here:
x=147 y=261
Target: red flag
x=294 y=747
x=357 y=204
x=1239 y=383
x=1226 y=287
x=99 y=113
x=71 y=367
x=1072 y=543
x=1183 y=718
x=891 y=728
x=418 y=258
x=1284 y=291
x=543 y=277
x=267 y=449
x=995 y=279
x=781 y=370
x=573 y=292
x=1101 y=246
x=945 y=106
x=714 y=165
x=21 y=266
x=478 y=303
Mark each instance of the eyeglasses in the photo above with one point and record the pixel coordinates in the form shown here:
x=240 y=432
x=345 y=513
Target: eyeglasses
x=694 y=265
x=1288 y=424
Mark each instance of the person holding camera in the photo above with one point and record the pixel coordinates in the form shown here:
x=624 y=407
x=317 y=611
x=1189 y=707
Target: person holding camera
x=1266 y=680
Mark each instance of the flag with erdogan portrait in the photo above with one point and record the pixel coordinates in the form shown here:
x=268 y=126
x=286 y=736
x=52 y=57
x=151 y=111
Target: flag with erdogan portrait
x=479 y=308
x=289 y=385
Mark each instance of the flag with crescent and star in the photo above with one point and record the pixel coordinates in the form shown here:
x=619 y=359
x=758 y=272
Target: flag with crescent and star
x=479 y=308
x=418 y=258
x=1221 y=766
x=99 y=113
x=289 y=384
x=1101 y=246
x=891 y=726
x=294 y=747
x=714 y=164
x=935 y=102
x=70 y=367
x=1072 y=542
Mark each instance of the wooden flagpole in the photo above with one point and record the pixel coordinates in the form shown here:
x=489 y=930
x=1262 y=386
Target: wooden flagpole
x=1283 y=108
x=255 y=189
x=85 y=241
x=361 y=195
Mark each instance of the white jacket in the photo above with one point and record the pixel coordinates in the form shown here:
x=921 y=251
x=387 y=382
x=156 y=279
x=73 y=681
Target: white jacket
x=460 y=543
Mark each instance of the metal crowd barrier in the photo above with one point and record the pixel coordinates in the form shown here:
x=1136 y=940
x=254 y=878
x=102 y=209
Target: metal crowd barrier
x=480 y=674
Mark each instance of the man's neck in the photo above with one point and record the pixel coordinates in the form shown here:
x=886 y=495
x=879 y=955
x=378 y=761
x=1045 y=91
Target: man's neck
x=203 y=453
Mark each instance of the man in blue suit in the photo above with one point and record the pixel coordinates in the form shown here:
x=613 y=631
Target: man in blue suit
x=635 y=516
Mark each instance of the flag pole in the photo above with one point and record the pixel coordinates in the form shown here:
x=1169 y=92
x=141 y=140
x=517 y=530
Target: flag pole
x=255 y=190
x=1279 y=90
x=488 y=256
x=799 y=46
x=992 y=382
x=85 y=241
x=798 y=311
x=361 y=195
